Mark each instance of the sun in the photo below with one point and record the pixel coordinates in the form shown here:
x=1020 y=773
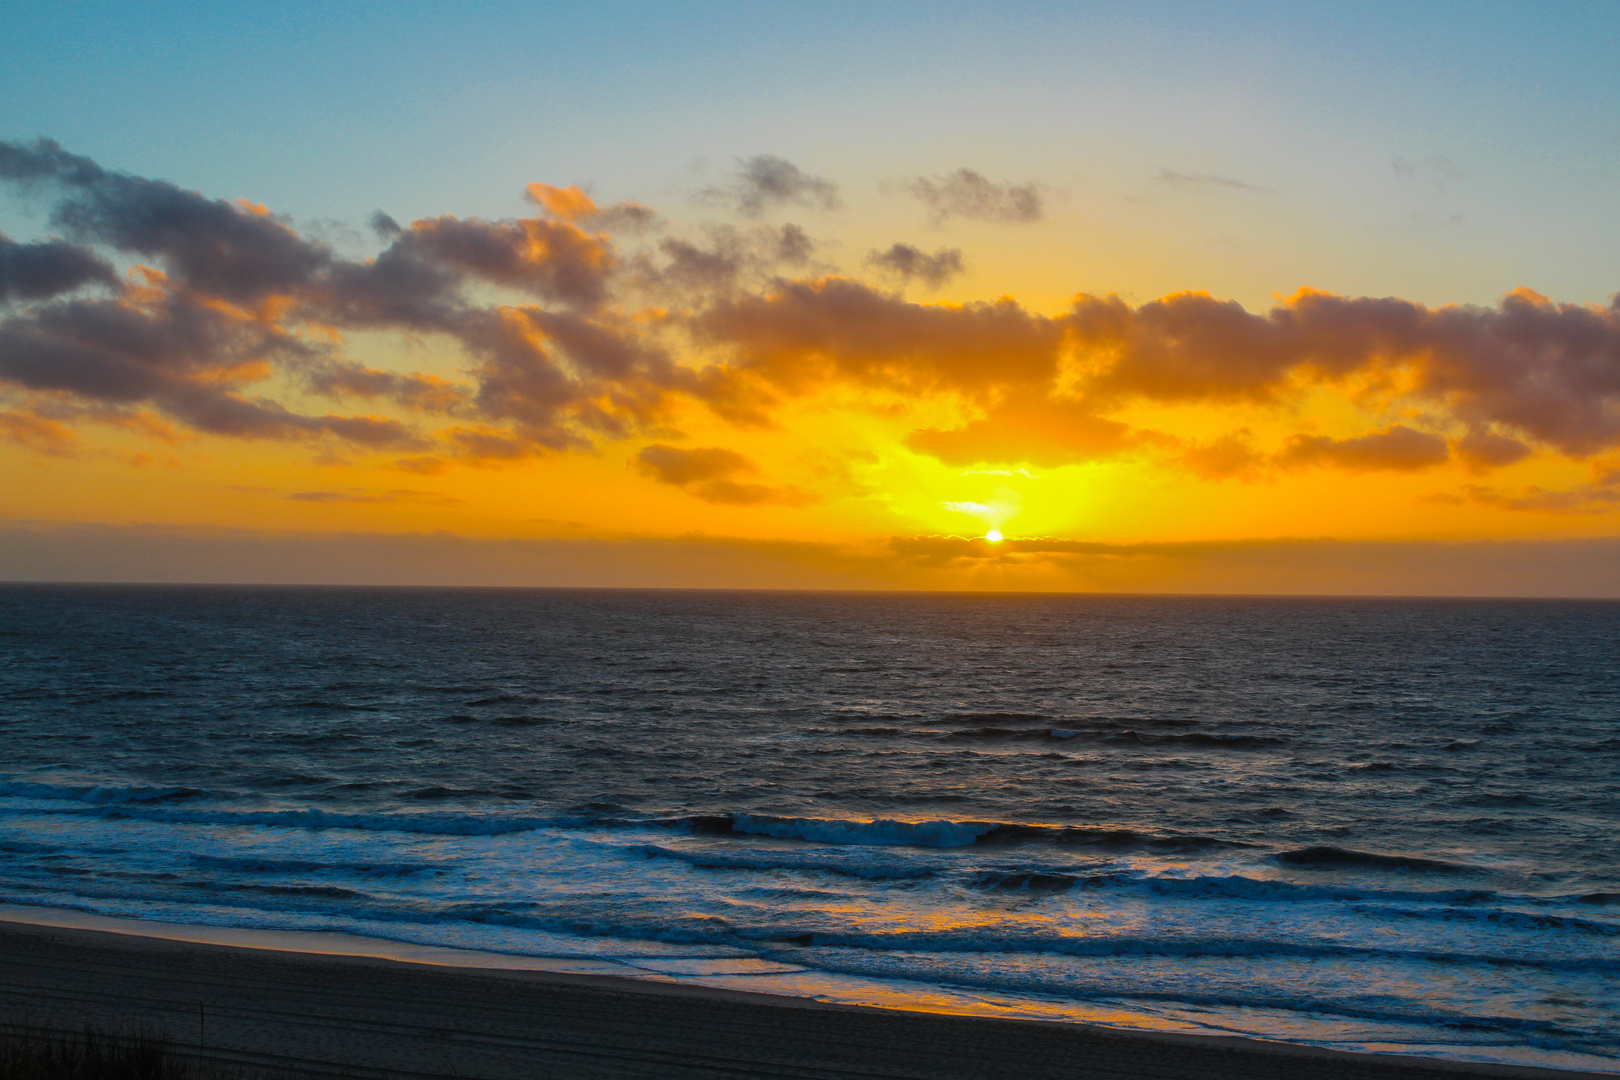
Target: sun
x=994 y=536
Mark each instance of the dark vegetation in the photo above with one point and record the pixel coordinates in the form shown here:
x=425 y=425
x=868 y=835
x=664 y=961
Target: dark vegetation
x=96 y=1054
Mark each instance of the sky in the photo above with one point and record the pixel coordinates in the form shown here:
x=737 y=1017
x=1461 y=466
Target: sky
x=1156 y=297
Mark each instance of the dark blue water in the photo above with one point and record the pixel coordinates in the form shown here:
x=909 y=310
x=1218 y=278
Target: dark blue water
x=1384 y=824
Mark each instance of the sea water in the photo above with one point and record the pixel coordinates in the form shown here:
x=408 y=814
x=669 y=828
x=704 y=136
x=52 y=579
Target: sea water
x=1369 y=824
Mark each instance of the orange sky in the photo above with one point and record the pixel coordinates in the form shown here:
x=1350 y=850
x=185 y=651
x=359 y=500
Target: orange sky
x=760 y=362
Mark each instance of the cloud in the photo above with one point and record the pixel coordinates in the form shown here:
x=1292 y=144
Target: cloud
x=793 y=246
x=1585 y=499
x=427 y=393
x=965 y=193
x=222 y=246
x=42 y=270
x=1230 y=456
x=392 y=495
x=805 y=334
x=710 y=474
x=765 y=181
x=1485 y=450
x=238 y=296
x=1037 y=431
x=37 y=433
x=1398 y=448
x=567 y=339
x=727 y=261
x=1206 y=182
x=909 y=262
x=672 y=465
x=573 y=205
x=554 y=260
x=1545 y=372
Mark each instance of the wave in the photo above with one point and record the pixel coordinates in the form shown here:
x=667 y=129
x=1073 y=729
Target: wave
x=282 y=866
x=874 y=866
x=134 y=803
x=1258 y=994
x=1101 y=945
x=1483 y=904
x=882 y=832
x=1327 y=857
x=1118 y=736
x=431 y=824
x=98 y=794
x=994 y=718
x=1521 y=920
x=945 y=833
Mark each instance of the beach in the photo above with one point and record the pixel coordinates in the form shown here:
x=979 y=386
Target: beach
x=365 y=1016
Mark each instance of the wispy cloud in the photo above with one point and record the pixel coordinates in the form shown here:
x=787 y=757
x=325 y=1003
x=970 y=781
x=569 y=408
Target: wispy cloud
x=765 y=181
x=1206 y=182
x=967 y=194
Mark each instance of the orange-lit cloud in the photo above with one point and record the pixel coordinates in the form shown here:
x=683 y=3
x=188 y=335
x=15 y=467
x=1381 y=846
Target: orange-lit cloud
x=711 y=473
x=37 y=433
x=573 y=205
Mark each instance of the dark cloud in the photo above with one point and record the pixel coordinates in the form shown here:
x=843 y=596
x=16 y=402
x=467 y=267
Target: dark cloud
x=690 y=269
x=1397 y=448
x=1548 y=373
x=727 y=261
x=1484 y=450
x=710 y=473
x=427 y=393
x=965 y=193
x=793 y=246
x=1206 y=182
x=42 y=270
x=806 y=333
x=191 y=361
x=226 y=249
x=107 y=350
x=909 y=262
x=672 y=465
x=765 y=181
x=554 y=260
x=172 y=342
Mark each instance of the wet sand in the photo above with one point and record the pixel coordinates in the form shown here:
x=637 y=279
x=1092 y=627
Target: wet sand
x=365 y=1016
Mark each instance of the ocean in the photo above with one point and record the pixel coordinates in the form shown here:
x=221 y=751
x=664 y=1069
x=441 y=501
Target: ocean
x=1369 y=824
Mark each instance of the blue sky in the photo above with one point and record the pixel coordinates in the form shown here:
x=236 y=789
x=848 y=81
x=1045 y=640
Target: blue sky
x=1506 y=114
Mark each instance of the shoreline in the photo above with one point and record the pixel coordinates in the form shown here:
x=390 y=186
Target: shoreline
x=423 y=1011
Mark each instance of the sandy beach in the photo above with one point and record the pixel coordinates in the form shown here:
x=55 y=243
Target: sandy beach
x=366 y=1016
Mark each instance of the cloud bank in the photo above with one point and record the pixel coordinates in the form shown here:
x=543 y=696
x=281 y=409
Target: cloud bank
x=589 y=324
